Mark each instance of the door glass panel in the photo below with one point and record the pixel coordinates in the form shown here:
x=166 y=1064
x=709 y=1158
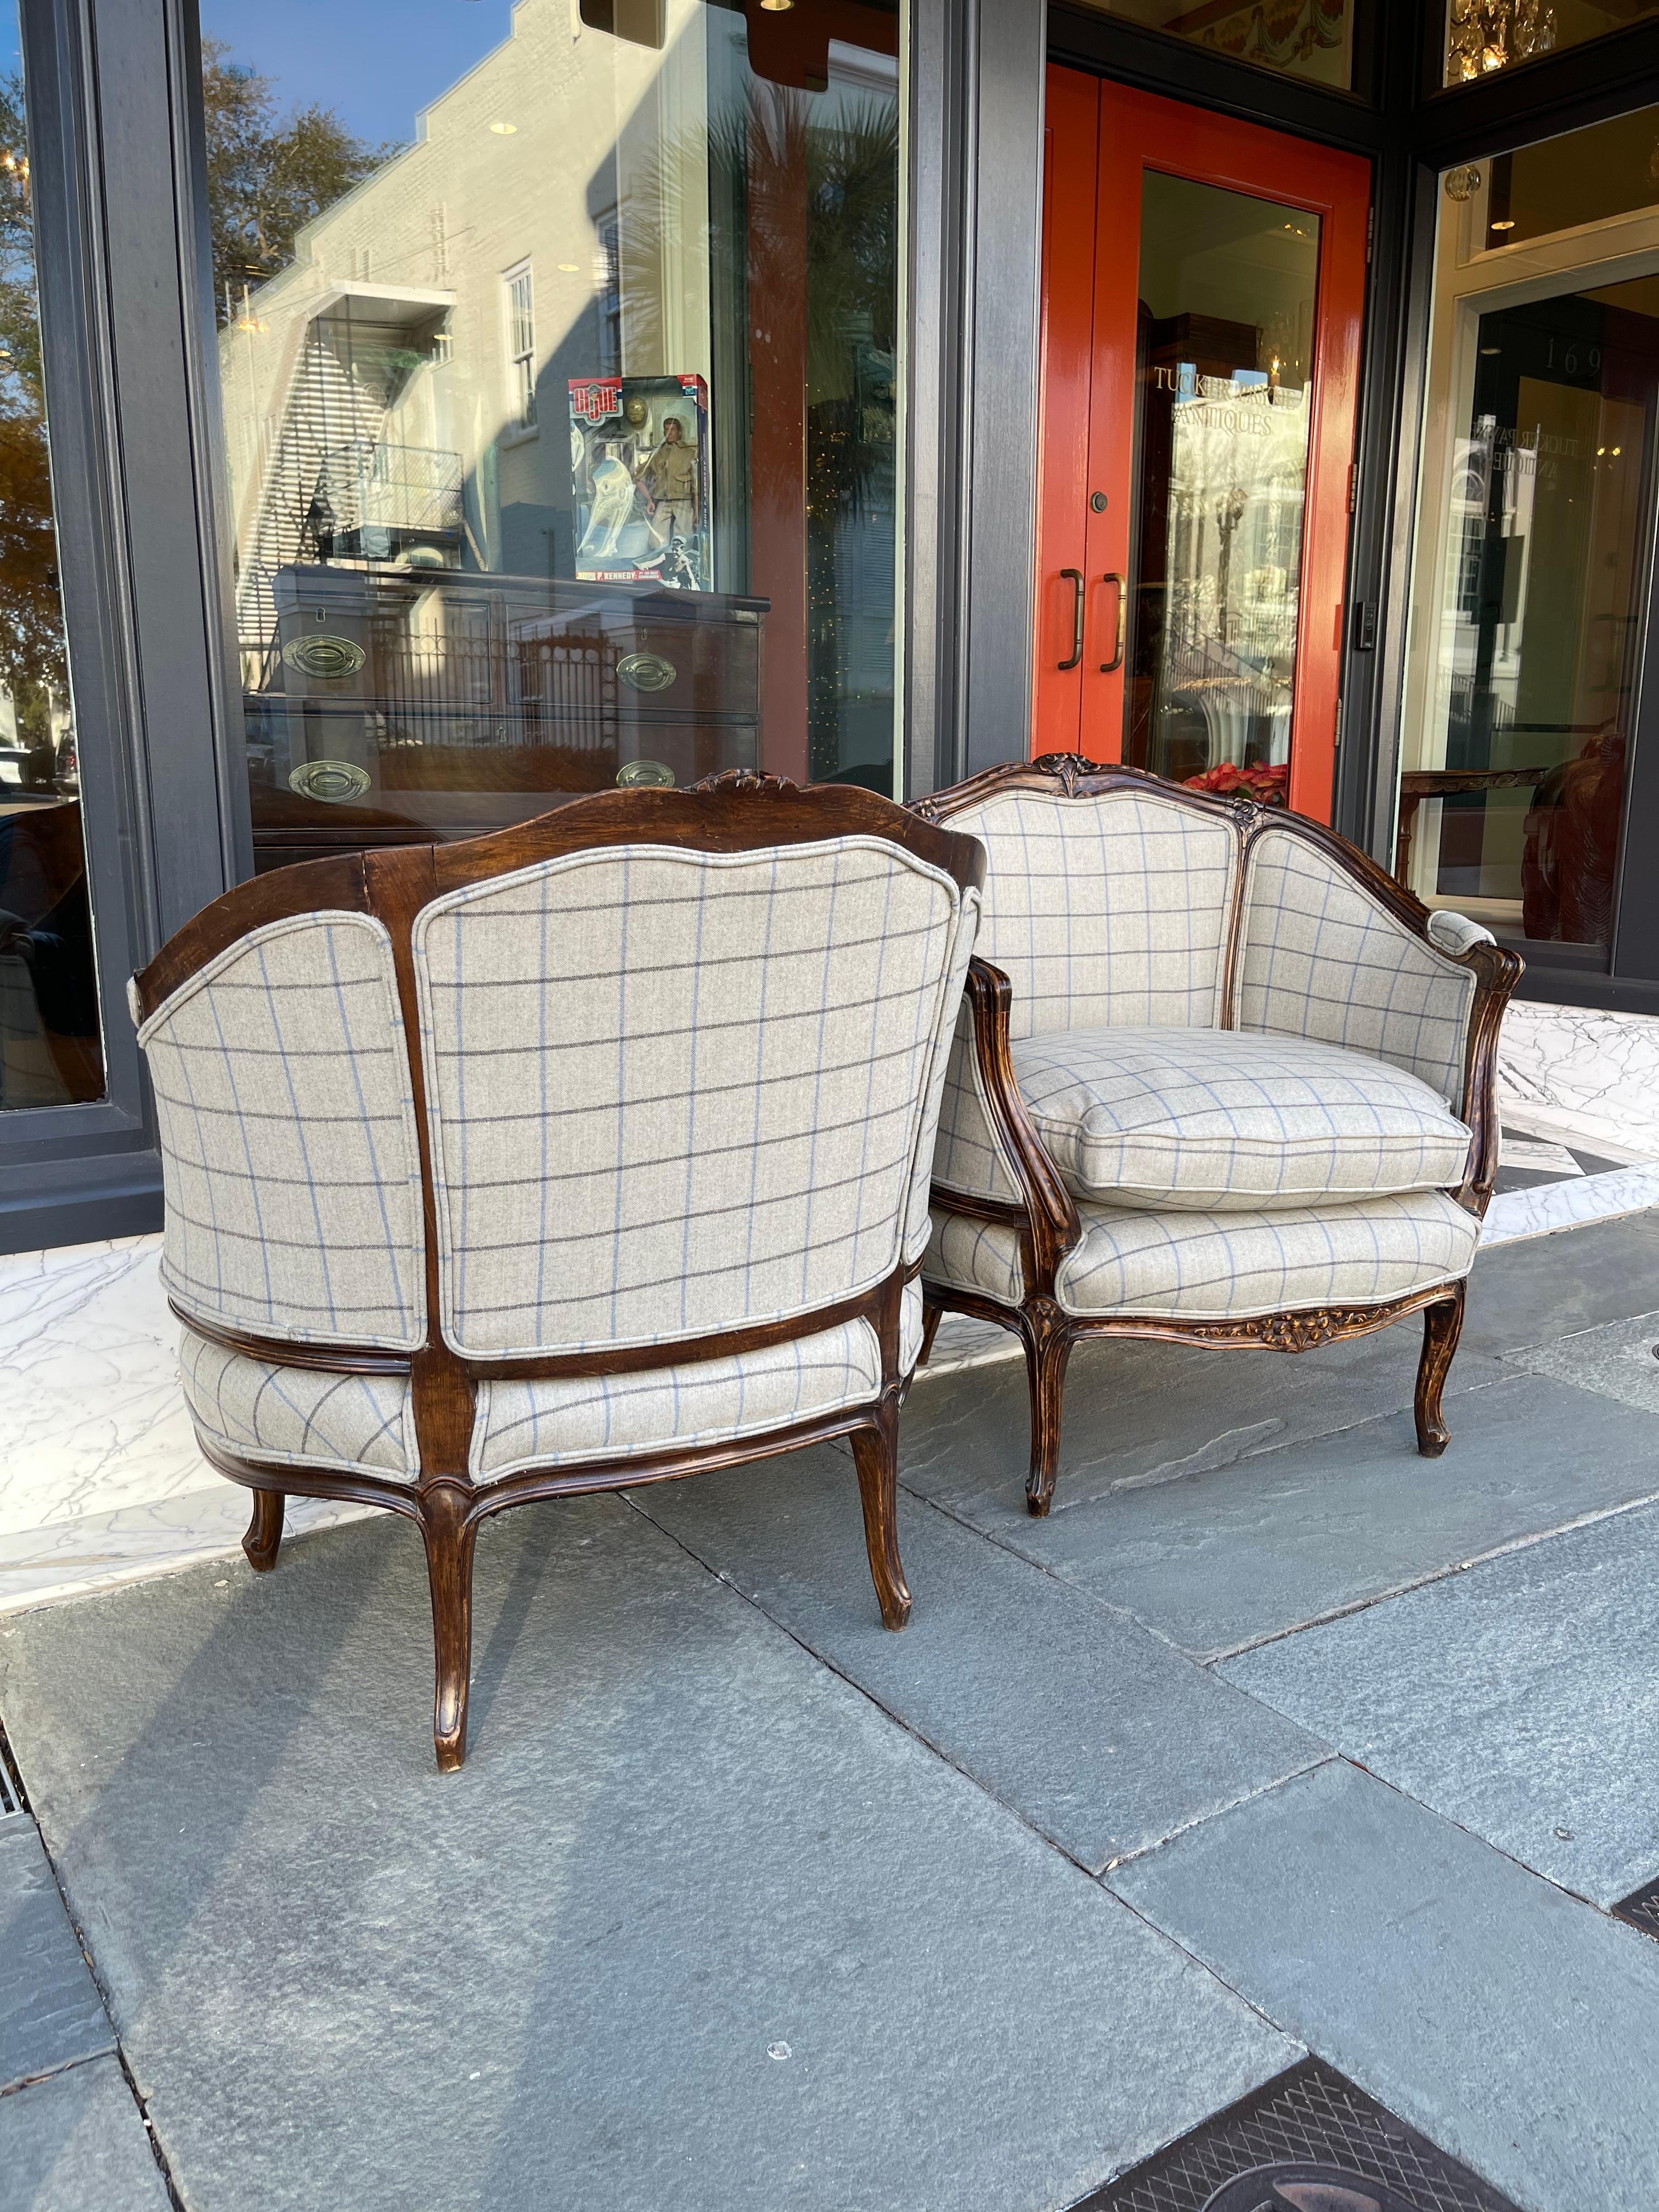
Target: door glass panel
x=1311 y=39
x=50 y=1048
x=558 y=363
x=1539 y=624
x=1224 y=348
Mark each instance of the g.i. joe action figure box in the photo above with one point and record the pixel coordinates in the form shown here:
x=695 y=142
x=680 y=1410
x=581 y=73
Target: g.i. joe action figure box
x=639 y=469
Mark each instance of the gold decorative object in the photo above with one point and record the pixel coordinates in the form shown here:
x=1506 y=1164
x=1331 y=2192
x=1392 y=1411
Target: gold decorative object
x=633 y=774
x=1483 y=35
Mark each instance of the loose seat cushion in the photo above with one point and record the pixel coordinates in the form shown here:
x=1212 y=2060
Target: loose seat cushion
x=1219 y=1121
x=1224 y=1267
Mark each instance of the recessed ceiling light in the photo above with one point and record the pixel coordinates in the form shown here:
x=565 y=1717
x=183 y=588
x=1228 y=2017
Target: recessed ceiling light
x=1489 y=350
x=1507 y=225
x=570 y=268
x=503 y=129
x=776 y=6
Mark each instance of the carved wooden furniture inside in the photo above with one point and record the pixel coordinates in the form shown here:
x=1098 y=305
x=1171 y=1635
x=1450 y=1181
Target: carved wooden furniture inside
x=585 y=1154
x=1217 y=1079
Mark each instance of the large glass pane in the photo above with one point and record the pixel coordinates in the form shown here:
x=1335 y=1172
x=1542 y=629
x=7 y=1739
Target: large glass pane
x=558 y=362
x=51 y=1051
x=1483 y=35
x=1228 y=287
x=1561 y=184
x=1529 y=717
x=1311 y=39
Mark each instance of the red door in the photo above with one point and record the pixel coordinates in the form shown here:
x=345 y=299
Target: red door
x=1203 y=289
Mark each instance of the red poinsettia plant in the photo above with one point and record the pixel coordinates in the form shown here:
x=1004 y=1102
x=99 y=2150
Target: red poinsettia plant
x=1268 y=785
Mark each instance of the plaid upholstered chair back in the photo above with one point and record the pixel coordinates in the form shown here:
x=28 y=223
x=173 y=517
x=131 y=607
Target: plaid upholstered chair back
x=287 y=1137
x=673 y=1092
x=667 y=1092
x=1105 y=909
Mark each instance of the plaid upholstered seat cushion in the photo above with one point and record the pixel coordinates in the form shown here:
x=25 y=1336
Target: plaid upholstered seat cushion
x=299 y=1416
x=1219 y=1121
x=1224 y=1267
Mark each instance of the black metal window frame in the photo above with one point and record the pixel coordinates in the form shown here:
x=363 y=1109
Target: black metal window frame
x=120 y=257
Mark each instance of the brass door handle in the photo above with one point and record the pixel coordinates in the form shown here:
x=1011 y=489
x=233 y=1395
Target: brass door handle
x=1076 y=575
x=1111 y=667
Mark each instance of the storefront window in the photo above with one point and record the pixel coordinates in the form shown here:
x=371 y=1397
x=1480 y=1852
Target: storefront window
x=1534 y=546
x=1483 y=35
x=1311 y=39
x=558 y=352
x=51 y=1051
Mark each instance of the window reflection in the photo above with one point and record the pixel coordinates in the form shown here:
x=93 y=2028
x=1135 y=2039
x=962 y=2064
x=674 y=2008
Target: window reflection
x=562 y=439
x=51 y=1051
x=1311 y=39
x=1228 y=290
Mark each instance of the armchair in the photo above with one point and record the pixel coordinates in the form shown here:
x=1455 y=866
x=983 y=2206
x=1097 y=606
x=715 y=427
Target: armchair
x=1225 y=1084
x=582 y=1155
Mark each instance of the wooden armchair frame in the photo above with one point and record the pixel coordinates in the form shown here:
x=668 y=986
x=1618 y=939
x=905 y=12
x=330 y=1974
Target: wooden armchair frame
x=1046 y=1216
x=740 y=810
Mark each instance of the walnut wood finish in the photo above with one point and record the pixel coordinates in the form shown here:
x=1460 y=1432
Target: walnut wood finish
x=264 y=1530
x=1046 y=1216
x=739 y=811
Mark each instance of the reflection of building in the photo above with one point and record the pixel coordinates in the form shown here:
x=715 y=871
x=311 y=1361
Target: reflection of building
x=1238 y=467
x=375 y=399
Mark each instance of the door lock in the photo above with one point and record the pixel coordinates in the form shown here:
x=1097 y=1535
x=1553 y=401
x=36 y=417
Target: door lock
x=1097 y=502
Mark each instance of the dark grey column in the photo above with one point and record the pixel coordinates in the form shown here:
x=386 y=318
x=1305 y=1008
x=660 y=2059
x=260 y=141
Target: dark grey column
x=975 y=208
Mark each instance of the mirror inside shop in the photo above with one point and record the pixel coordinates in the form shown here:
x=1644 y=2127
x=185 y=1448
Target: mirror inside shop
x=557 y=350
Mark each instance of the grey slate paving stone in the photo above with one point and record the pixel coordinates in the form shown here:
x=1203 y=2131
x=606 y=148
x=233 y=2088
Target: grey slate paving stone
x=1515 y=2025
x=1521 y=1700
x=1096 y=1732
x=50 y=2013
x=554 y=1977
x=1542 y=1287
x=1615 y=1359
x=1219 y=1561
x=75 y=2143
x=1139 y=1414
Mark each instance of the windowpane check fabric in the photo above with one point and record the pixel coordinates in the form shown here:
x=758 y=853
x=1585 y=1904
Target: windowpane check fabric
x=1101 y=910
x=982 y=1257
x=289 y=1161
x=298 y=1416
x=1223 y=1267
x=1220 y=1119
x=671 y=1091
x=607 y=1417
x=1321 y=957
x=968 y=1156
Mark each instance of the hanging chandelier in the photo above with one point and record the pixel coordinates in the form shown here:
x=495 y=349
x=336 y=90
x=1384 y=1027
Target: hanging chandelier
x=1489 y=34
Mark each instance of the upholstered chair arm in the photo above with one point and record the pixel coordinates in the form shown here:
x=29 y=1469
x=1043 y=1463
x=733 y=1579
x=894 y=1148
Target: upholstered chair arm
x=1019 y=1150
x=1497 y=971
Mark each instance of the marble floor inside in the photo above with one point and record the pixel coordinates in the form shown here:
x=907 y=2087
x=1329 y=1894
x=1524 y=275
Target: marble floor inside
x=1276 y=1755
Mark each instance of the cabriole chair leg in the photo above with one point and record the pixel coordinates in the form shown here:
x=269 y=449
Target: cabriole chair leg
x=1047 y=1348
x=450 y=1538
x=265 y=1531
x=1442 y=1324
x=875 y=1453
x=931 y=1316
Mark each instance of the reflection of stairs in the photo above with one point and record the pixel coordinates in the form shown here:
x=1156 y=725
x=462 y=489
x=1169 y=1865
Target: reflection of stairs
x=340 y=394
